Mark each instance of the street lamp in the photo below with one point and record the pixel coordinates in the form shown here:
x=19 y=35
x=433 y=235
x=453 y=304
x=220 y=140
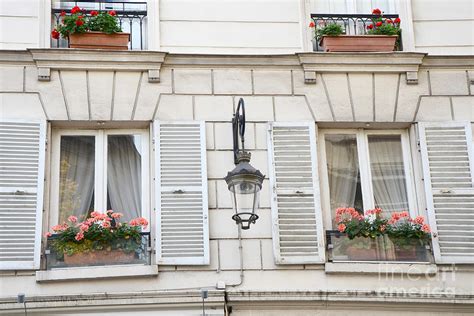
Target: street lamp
x=244 y=181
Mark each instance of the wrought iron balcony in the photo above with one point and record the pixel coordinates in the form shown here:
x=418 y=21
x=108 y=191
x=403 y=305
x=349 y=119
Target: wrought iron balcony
x=353 y=24
x=132 y=16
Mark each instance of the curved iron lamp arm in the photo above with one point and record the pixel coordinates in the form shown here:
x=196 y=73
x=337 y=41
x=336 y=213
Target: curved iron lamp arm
x=238 y=128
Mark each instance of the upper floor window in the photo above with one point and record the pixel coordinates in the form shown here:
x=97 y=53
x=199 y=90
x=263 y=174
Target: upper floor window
x=366 y=169
x=100 y=170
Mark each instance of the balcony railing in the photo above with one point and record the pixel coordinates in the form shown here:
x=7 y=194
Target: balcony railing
x=117 y=253
x=382 y=249
x=353 y=24
x=132 y=16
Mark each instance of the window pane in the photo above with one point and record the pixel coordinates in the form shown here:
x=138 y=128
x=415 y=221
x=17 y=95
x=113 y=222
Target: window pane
x=76 y=176
x=388 y=173
x=343 y=172
x=124 y=170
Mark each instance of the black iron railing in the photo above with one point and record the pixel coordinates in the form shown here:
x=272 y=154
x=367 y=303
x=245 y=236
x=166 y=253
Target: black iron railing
x=353 y=24
x=132 y=16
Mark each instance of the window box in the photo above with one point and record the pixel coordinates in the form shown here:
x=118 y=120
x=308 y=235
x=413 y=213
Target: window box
x=110 y=256
x=382 y=248
x=99 y=40
x=359 y=43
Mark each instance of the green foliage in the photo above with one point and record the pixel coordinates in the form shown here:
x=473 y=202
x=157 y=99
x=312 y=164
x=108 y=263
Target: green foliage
x=124 y=237
x=365 y=228
x=385 y=29
x=70 y=24
x=98 y=232
x=404 y=233
x=104 y=22
x=332 y=29
x=79 y=22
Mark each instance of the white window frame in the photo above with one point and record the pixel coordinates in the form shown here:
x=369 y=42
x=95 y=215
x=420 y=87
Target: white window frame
x=100 y=176
x=364 y=166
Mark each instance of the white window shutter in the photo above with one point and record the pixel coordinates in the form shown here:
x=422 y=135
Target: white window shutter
x=298 y=235
x=22 y=156
x=448 y=170
x=181 y=193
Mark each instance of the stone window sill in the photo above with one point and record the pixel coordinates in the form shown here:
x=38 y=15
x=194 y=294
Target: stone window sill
x=102 y=272
x=381 y=268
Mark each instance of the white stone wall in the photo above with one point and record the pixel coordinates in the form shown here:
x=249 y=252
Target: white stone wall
x=22 y=24
x=210 y=93
x=231 y=26
x=444 y=27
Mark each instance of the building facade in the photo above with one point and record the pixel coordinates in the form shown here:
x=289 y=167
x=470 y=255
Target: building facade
x=148 y=132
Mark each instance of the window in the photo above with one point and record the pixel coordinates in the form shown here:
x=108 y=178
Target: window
x=99 y=170
x=366 y=169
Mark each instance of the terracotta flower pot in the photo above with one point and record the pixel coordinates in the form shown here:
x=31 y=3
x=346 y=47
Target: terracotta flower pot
x=100 y=257
x=359 y=43
x=99 y=40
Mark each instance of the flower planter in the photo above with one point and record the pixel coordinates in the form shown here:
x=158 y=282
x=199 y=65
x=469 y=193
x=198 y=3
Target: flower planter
x=101 y=257
x=407 y=250
x=362 y=249
x=99 y=40
x=359 y=43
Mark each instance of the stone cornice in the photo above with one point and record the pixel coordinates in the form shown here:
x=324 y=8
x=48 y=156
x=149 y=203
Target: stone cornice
x=16 y=57
x=118 y=302
x=392 y=62
x=362 y=298
x=46 y=59
x=200 y=60
x=73 y=59
x=464 y=62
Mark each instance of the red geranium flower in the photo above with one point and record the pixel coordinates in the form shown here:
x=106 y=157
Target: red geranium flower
x=94 y=13
x=75 y=10
x=376 y=12
x=389 y=21
x=112 y=13
x=79 y=22
x=379 y=23
x=370 y=26
x=80 y=17
x=311 y=24
x=397 y=20
x=63 y=13
x=55 y=34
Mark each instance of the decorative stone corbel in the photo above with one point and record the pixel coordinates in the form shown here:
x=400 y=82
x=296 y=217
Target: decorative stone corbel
x=154 y=75
x=412 y=77
x=310 y=77
x=44 y=74
x=371 y=62
x=86 y=59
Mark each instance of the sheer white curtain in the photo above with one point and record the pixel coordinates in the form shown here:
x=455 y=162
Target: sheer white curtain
x=124 y=175
x=76 y=176
x=343 y=171
x=388 y=173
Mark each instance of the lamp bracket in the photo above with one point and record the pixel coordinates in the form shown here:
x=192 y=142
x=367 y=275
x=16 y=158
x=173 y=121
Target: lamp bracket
x=238 y=129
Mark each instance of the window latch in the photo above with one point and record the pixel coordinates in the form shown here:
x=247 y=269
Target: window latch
x=178 y=191
x=20 y=192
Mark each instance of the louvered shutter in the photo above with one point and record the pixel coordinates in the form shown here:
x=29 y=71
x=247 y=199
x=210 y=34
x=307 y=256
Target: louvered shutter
x=22 y=155
x=181 y=193
x=448 y=168
x=298 y=235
